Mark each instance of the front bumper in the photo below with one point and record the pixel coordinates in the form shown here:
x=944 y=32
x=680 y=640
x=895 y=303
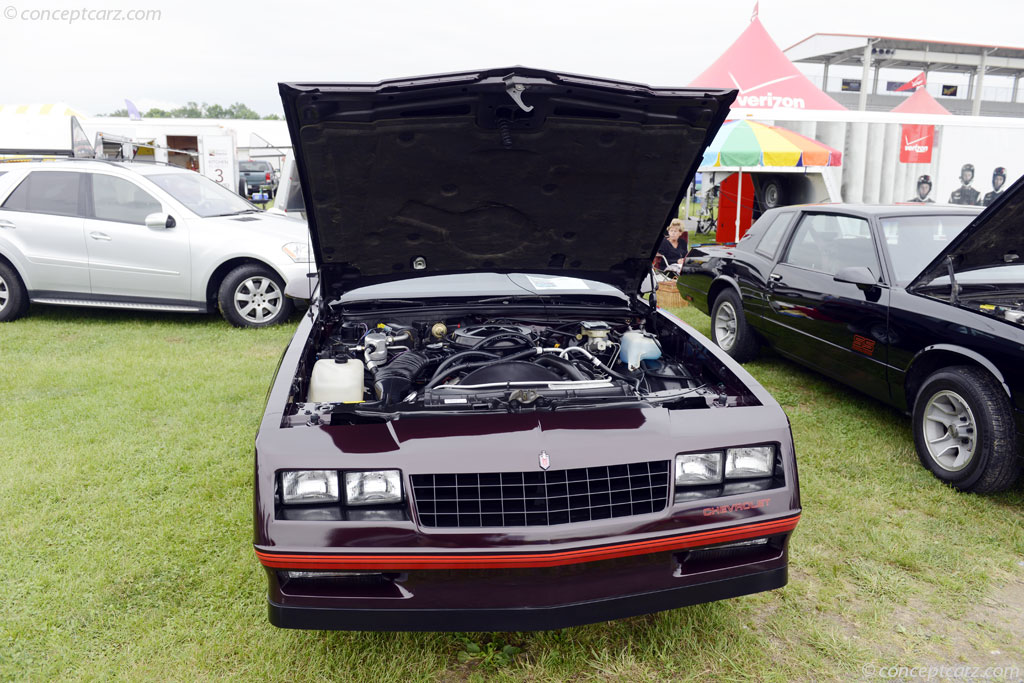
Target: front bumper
x=522 y=618
x=508 y=590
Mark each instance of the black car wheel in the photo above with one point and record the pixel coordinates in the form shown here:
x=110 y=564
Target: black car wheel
x=253 y=296
x=729 y=327
x=13 y=297
x=772 y=194
x=964 y=430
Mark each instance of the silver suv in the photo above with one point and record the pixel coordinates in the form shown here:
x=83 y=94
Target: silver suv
x=144 y=236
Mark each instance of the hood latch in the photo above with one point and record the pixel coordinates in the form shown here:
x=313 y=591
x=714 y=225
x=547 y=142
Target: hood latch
x=515 y=87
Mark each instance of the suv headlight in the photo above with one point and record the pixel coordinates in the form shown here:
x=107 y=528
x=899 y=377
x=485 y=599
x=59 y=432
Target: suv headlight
x=698 y=468
x=309 y=486
x=379 y=487
x=749 y=461
x=297 y=251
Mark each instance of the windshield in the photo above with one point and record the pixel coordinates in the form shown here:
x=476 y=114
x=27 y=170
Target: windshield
x=201 y=195
x=914 y=241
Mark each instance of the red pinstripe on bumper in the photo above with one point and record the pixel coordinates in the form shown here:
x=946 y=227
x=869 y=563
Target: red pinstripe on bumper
x=506 y=560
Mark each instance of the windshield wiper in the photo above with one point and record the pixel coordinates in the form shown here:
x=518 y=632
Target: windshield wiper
x=234 y=213
x=378 y=302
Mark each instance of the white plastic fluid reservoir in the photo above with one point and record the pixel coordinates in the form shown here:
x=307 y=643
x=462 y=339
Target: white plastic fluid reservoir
x=638 y=346
x=336 y=380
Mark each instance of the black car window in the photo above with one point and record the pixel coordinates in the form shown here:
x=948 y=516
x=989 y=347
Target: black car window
x=49 y=192
x=773 y=235
x=117 y=199
x=830 y=242
x=915 y=241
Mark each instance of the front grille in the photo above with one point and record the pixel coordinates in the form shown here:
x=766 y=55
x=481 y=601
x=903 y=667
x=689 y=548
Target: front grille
x=501 y=499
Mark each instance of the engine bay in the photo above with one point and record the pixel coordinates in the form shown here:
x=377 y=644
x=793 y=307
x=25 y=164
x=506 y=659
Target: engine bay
x=359 y=369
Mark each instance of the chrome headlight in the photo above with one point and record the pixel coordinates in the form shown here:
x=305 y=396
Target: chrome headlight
x=309 y=486
x=698 y=468
x=297 y=251
x=749 y=461
x=379 y=487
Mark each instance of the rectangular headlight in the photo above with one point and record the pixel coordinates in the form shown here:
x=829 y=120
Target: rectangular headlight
x=379 y=487
x=698 y=468
x=309 y=486
x=749 y=461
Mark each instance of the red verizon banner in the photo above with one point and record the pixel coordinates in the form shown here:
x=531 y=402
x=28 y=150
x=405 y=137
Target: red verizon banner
x=916 y=143
x=914 y=83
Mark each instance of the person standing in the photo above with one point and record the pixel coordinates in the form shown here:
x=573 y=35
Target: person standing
x=965 y=194
x=998 y=181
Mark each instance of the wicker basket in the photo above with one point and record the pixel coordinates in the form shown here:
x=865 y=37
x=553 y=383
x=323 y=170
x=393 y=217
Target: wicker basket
x=668 y=295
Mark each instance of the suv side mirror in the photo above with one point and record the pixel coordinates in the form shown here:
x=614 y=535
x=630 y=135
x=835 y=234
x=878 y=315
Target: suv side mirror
x=857 y=275
x=160 y=221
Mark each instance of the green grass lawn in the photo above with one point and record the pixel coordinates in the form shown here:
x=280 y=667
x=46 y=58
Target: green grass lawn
x=125 y=494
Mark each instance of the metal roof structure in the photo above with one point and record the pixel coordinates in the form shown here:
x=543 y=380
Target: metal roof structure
x=887 y=52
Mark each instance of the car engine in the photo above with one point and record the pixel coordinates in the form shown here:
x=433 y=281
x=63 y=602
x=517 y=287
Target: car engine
x=357 y=371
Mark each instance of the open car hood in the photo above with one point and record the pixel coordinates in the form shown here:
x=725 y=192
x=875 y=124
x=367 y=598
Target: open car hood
x=504 y=170
x=993 y=239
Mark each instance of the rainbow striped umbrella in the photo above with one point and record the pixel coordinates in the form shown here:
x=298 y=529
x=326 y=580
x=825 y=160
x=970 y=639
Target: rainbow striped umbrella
x=749 y=143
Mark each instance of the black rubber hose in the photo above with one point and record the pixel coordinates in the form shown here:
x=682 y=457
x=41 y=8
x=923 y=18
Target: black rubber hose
x=562 y=364
x=394 y=380
x=502 y=336
x=467 y=366
x=450 y=360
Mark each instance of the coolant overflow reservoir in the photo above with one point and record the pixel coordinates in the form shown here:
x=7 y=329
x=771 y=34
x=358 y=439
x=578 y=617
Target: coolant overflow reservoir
x=337 y=380
x=638 y=346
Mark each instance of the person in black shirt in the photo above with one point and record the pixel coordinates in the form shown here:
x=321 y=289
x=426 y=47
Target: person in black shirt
x=998 y=180
x=965 y=194
x=924 y=188
x=673 y=248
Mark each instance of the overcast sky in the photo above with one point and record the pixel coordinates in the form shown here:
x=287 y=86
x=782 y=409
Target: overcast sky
x=237 y=52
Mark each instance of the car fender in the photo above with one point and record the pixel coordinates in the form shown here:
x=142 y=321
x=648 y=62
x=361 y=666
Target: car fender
x=719 y=284
x=204 y=278
x=966 y=353
x=13 y=256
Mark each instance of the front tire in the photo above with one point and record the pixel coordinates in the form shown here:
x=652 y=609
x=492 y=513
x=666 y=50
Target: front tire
x=729 y=327
x=13 y=297
x=253 y=296
x=964 y=430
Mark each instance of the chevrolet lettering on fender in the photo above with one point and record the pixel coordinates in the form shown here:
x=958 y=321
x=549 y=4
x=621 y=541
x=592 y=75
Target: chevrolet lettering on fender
x=736 y=507
x=482 y=423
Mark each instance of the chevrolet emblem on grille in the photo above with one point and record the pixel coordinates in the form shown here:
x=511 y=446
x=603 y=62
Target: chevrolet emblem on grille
x=545 y=461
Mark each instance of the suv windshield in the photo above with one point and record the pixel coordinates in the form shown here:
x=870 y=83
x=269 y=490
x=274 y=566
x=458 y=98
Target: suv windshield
x=201 y=195
x=254 y=166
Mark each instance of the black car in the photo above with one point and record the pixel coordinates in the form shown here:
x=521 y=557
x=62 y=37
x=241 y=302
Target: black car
x=918 y=306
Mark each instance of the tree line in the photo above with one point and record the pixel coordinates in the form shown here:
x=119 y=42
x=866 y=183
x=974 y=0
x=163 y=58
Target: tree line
x=200 y=111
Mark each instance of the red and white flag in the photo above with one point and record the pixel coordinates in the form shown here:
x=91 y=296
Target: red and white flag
x=914 y=83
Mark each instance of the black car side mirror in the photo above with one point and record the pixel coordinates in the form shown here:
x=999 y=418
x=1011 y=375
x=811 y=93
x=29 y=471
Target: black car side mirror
x=857 y=275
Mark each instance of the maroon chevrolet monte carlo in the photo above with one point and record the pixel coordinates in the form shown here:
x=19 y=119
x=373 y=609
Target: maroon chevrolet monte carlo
x=483 y=423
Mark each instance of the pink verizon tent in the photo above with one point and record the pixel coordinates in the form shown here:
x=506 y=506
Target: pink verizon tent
x=921 y=102
x=765 y=77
